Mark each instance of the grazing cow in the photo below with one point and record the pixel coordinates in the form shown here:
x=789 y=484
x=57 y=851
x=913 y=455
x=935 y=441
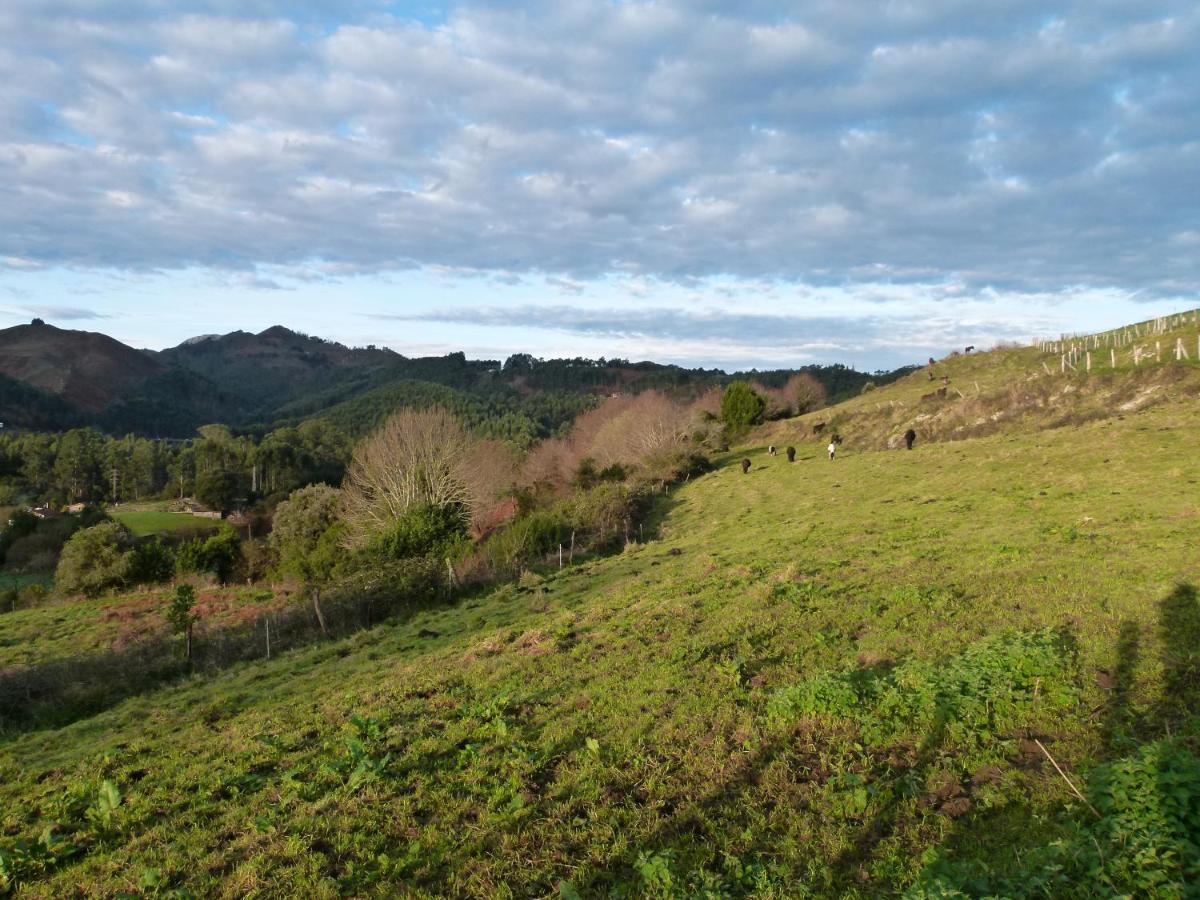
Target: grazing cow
x=972 y=347
x=791 y=453
x=941 y=392
x=818 y=428
x=745 y=466
x=836 y=439
x=909 y=437
x=931 y=396
x=771 y=450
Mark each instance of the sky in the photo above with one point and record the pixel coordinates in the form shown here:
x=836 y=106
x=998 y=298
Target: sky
x=752 y=184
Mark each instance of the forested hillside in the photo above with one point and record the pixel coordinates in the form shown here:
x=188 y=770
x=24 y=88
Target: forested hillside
x=53 y=379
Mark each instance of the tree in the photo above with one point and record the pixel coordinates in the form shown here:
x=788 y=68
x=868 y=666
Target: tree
x=180 y=615
x=418 y=458
x=306 y=538
x=741 y=407
x=219 y=488
x=78 y=463
x=94 y=560
x=803 y=393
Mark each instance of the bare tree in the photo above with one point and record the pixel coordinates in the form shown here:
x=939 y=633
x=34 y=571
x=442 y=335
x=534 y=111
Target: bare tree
x=418 y=457
x=803 y=393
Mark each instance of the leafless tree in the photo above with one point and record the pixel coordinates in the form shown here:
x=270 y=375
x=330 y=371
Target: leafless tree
x=419 y=457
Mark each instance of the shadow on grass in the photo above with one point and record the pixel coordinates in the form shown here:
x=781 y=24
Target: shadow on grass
x=1179 y=636
x=1008 y=855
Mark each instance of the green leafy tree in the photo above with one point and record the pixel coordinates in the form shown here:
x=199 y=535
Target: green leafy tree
x=741 y=407
x=306 y=538
x=94 y=560
x=219 y=488
x=180 y=615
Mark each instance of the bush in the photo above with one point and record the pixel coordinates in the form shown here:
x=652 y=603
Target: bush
x=151 y=563
x=425 y=530
x=218 y=555
x=94 y=560
x=21 y=524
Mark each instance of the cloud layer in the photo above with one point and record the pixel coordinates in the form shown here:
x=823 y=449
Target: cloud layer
x=1020 y=145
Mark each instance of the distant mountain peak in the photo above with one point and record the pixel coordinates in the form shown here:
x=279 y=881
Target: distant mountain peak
x=279 y=331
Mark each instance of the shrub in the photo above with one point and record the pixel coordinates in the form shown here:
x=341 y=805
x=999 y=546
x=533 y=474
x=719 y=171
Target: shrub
x=218 y=555
x=94 y=560
x=151 y=562
x=435 y=531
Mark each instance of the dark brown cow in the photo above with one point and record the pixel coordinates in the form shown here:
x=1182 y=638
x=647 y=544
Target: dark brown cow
x=791 y=453
x=745 y=466
x=909 y=437
x=818 y=428
x=836 y=439
x=941 y=392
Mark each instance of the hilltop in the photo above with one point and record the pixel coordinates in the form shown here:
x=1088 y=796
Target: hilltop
x=88 y=370
x=1017 y=389
x=890 y=673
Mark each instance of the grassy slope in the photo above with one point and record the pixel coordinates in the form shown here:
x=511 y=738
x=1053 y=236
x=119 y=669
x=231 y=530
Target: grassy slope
x=618 y=713
x=78 y=627
x=1020 y=389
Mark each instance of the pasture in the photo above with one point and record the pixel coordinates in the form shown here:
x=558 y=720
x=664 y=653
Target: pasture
x=146 y=519
x=819 y=678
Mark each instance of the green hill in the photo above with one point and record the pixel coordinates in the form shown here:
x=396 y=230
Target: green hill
x=888 y=673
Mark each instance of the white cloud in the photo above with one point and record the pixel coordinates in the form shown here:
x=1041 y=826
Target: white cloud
x=814 y=142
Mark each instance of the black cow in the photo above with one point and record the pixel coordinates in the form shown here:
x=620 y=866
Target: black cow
x=972 y=347
x=791 y=453
x=745 y=466
x=818 y=428
x=909 y=437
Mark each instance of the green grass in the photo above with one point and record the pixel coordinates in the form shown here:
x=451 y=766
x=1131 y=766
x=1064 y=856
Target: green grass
x=65 y=629
x=826 y=678
x=144 y=522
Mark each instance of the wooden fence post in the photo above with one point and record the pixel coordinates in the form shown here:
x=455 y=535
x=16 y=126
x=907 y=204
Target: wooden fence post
x=1113 y=357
